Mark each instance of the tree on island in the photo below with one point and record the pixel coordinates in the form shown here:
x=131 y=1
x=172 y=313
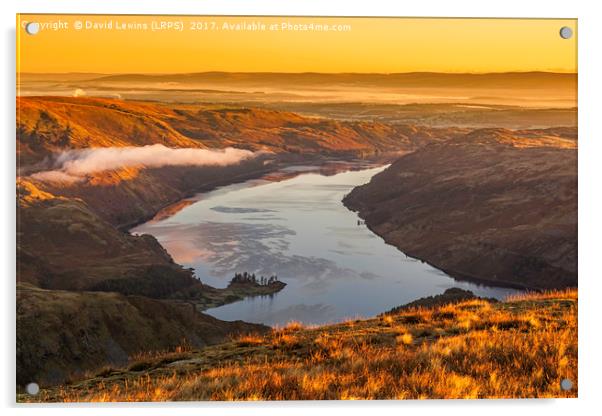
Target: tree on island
x=250 y=278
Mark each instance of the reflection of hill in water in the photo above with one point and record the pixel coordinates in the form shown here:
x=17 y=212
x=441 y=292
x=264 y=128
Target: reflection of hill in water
x=298 y=229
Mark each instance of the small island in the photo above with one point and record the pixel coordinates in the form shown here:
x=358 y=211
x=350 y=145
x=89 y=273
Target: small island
x=248 y=282
x=241 y=286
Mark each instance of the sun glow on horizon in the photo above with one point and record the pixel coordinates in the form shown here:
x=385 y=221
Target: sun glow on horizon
x=110 y=44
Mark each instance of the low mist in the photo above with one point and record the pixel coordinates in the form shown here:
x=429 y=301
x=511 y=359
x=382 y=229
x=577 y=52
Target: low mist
x=74 y=165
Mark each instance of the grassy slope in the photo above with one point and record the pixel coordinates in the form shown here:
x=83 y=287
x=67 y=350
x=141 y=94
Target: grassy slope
x=52 y=124
x=473 y=349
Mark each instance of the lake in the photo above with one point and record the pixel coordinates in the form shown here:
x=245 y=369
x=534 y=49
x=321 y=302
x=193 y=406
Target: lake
x=294 y=225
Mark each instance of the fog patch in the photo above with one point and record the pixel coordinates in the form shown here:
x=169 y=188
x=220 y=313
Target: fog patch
x=74 y=165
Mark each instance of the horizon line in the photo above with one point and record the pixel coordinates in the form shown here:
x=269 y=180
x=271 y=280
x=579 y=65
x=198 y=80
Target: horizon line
x=560 y=72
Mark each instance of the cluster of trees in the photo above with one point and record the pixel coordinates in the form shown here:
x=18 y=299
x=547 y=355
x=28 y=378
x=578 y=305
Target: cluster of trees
x=251 y=278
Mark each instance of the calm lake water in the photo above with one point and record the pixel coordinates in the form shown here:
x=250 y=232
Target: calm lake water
x=298 y=229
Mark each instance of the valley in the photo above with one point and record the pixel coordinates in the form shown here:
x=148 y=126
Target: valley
x=72 y=236
x=274 y=208
x=463 y=188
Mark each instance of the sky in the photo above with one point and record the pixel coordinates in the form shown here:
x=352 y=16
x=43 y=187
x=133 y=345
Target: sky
x=362 y=45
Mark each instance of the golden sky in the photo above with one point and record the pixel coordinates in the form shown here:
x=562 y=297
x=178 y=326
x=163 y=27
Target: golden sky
x=384 y=45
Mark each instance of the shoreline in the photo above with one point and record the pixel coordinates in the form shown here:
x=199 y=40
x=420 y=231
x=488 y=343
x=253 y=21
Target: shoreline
x=454 y=274
x=256 y=174
x=234 y=292
x=491 y=238
x=211 y=186
x=209 y=297
x=210 y=301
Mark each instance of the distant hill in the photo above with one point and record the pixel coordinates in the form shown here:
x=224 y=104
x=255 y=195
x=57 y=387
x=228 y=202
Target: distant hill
x=410 y=79
x=535 y=90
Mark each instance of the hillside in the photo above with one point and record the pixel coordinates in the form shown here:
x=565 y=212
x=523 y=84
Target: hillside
x=62 y=244
x=495 y=206
x=51 y=124
x=521 y=348
x=65 y=334
x=64 y=252
x=128 y=196
x=47 y=126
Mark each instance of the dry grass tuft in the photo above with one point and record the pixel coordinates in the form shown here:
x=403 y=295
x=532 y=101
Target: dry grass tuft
x=249 y=340
x=405 y=339
x=569 y=293
x=294 y=326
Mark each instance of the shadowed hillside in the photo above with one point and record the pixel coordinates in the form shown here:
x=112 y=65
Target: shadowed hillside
x=64 y=245
x=65 y=334
x=494 y=206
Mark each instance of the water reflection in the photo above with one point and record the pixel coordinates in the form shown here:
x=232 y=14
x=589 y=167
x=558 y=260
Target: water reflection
x=297 y=228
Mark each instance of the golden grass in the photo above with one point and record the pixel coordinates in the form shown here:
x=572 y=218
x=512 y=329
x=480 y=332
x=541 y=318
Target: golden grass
x=474 y=349
x=293 y=326
x=248 y=340
x=569 y=293
x=405 y=339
